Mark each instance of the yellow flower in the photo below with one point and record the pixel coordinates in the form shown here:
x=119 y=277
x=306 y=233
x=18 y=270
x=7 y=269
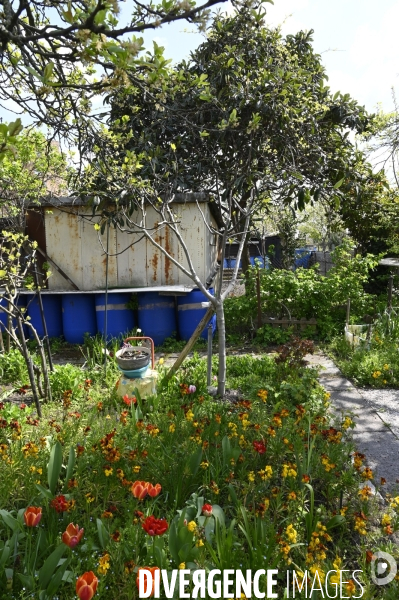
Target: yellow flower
x=288 y=471
x=189 y=415
x=192 y=526
x=376 y=374
x=104 y=564
x=136 y=469
x=161 y=361
x=291 y=534
x=89 y=498
x=199 y=544
x=172 y=428
x=386 y=367
x=108 y=471
x=262 y=394
x=386 y=520
x=204 y=464
x=182 y=565
x=266 y=473
x=365 y=492
x=347 y=423
x=251 y=476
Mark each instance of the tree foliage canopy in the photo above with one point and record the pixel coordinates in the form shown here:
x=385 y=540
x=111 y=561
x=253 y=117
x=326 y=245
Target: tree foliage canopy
x=57 y=56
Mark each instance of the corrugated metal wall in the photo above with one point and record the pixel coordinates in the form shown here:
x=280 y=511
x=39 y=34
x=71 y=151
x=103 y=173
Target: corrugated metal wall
x=72 y=242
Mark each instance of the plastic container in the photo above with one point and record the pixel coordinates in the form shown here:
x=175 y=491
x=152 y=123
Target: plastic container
x=120 y=318
x=78 y=317
x=52 y=314
x=21 y=302
x=190 y=311
x=157 y=316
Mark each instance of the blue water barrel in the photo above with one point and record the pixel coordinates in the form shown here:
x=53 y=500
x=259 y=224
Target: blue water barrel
x=233 y=262
x=157 y=316
x=120 y=318
x=52 y=314
x=190 y=313
x=78 y=317
x=21 y=302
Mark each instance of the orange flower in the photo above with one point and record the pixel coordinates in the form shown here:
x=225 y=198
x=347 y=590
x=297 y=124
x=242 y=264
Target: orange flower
x=152 y=571
x=86 y=586
x=72 y=535
x=32 y=516
x=139 y=489
x=153 y=490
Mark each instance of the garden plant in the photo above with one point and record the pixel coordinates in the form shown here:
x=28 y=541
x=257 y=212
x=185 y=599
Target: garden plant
x=181 y=480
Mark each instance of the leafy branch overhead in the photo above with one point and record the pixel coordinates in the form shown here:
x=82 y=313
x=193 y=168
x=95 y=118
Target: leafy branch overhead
x=57 y=56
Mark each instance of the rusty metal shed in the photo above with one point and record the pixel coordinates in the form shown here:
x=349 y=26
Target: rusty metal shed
x=64 y=230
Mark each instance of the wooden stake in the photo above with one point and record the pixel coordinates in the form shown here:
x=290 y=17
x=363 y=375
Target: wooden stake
x=199 y=329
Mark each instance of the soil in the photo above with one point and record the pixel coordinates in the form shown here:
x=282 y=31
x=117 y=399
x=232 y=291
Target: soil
x=133 y=353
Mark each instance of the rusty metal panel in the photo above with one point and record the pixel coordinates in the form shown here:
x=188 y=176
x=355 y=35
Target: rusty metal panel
x=131 y=259
x=94 y=260
x=73 y=243
x=64 y=247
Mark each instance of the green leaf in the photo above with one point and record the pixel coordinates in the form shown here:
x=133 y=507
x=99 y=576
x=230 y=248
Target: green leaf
x=9 y=520
x=195 y=461
x=54 y=466
x=48 y=71
x=44 y=492
x=4 y=555
x=27 y=581
x=50 y=565
x=57 y=578
x=70 y=466
x=339 y=183
x=103 y=534
x=335 y=521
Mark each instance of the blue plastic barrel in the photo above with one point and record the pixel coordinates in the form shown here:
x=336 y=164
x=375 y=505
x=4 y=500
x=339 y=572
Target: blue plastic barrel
x=120 y=318
x=52 y=314
x=157 y=316
x=21 y=302
x=302 y=258
x=233 y=262
x=190 y=312
x=78 y=317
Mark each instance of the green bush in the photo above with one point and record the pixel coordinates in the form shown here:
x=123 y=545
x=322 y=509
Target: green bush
x=304 y=293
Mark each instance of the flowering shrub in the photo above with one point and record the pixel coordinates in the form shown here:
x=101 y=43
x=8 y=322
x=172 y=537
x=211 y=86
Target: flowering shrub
x=184 y=481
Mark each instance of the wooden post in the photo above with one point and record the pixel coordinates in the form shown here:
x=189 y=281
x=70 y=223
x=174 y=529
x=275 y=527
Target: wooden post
x=199 y=329
x=348 y=310
x=258 y=298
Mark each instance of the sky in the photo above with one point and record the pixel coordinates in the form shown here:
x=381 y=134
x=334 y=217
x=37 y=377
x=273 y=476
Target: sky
x=357 y=39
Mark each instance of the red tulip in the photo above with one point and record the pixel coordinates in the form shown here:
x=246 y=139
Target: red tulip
x=207 y=510
x=32 y=516
x=153 y=490
x=139 y=489
x=152 y=570
x=155 y=526
x=86 y=586
x=72 y=536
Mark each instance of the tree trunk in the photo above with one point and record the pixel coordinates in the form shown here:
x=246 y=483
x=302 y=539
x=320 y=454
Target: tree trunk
x=28 y=361
x=222 y=348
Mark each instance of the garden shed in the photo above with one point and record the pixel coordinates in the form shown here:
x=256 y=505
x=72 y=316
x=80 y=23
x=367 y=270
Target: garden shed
x=65 y=232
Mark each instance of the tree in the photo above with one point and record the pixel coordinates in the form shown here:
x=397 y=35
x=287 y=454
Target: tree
x=34 y=169
x=248 y=111
x=58 y=56
x=246 y=118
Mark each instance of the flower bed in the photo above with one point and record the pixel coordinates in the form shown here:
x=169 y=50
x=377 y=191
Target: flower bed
x=184 y=481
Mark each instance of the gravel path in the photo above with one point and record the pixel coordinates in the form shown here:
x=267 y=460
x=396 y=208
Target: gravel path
x=376 y=416
x=386 y=404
